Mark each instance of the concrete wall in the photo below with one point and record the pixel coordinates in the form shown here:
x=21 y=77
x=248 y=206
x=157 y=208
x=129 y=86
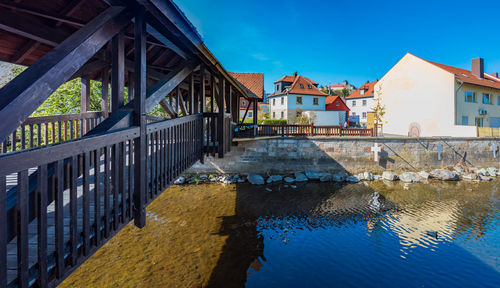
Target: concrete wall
x=471 y=110
x=328 y=118
x=418 y=93
x=348 y=153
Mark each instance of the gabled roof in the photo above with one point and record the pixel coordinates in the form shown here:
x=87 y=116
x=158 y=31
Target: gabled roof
x=302 y=85
x=254 y=82
x=332 y=106
x=466 y=76
x=291 y=79
x=369 y=88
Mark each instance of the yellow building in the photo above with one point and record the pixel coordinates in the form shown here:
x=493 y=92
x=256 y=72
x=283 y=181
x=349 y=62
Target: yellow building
x=425 y=98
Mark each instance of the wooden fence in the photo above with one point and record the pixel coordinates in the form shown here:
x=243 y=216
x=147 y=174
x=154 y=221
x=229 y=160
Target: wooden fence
x=488 y=132
x=60 y=203
x=310 y=130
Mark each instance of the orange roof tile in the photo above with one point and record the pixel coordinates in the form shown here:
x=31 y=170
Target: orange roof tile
x=253 y=82
x=291 y=79
x=369 y=88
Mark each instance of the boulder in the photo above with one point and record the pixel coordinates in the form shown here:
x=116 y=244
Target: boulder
x=469 y=176
x=391 y=176
x=300 y=177
x=368 y=176
x=492 y=171
x=409 y=177
x=482 y=171
x=338 y=177
x=352 y=179
x=377 y=177
x=423 y=175
x=255 y=179
x=360 y=176
x=180 y=180
x=445 y=175
x=312 y=175
x=326 y=177
x=459 y=169
x=203 y=177
x=274 y=178
x=289 y=180
x=485 y=178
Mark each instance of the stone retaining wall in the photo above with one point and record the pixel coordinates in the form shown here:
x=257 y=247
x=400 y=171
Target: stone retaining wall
x=352 y=154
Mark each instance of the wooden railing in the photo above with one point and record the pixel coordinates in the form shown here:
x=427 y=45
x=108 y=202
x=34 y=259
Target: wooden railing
x=62 y=202
x=310 y=130
x=45 y=130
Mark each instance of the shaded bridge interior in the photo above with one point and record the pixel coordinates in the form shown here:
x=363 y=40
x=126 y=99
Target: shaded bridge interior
x=68 y=183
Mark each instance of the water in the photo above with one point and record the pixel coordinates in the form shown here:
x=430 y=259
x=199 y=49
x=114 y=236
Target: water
x=318 y=235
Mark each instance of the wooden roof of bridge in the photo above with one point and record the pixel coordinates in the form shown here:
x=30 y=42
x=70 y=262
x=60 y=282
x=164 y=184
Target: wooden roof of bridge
x=29 y=29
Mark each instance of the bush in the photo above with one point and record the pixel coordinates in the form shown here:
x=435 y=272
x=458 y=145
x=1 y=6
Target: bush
x=272 y=122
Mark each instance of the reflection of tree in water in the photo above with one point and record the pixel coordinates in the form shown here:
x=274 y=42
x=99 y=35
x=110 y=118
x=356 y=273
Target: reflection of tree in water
x=310 y=206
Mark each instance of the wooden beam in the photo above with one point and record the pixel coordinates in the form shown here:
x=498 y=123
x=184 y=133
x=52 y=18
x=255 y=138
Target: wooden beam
x=85 y=100
x=246 y=112
x=203 y=99
x=220 y=117
x=117 y=72
x=105 y=91
x=191 y=94
x=168 y=108
x=90 y=67
x=182 y=104
x=139 y=119
x=21 y=96
x=25 y=51
x=131 y=86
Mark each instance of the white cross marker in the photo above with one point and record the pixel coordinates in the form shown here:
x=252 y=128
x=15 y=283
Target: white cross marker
x=494 y=147
x=376 y=149
x=439 y=149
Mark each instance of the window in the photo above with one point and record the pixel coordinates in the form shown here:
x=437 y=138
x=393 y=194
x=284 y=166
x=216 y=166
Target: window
x=243 y=103
x=363 y=115
x=315 y=101
x=309 y=86
x=301 y=86
x=465 y=120
x=364 y=102
x=282 y=114
x=470 y=96
x=353 y=103
x=338 y=104
x=249 y=114
x=282 y=100
x=274 y=115
x=274 y=102
x=278 y=88
x=362 y=92
x=479 y=122
x=299 y=100
x=487 y=99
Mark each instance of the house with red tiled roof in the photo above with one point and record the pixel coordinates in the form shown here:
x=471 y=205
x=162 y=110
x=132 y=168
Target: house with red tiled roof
x=341 y=86
x=253 y=83
x=293 y=94
x=425 y=98
x=360 y=103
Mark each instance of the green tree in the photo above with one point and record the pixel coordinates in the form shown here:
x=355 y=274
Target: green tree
x=379 y=109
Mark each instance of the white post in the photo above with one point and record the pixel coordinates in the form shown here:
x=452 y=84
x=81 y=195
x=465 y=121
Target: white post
x=376 y=149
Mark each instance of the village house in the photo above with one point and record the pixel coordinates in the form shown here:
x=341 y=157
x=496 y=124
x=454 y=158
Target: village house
x=360 y=103
x=424 y=98
x=341 y=86
x=294 y=94
x=253 y=83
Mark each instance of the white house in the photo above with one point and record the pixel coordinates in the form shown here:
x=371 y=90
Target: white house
x=424 y=98
x=295 y=93
x=361 y=102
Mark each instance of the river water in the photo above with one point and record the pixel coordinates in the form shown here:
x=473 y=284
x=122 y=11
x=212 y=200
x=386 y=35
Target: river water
x=317 y=235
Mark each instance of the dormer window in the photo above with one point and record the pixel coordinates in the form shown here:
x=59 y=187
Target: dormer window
x=301 y=86
x=309 y=86
x=362 y=92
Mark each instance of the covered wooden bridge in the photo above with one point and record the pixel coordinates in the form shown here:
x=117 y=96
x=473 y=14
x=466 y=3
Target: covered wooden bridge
x=68 y=183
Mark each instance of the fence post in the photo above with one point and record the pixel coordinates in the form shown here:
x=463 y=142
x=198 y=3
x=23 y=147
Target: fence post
x=282 y=130
x=340 y=130
x=312 y=129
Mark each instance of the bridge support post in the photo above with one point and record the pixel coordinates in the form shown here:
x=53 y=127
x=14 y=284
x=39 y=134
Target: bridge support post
x=220 y=117
x=139 y=119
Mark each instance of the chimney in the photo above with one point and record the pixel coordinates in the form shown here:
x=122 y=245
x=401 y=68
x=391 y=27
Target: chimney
x=295 y=74
x=495 y=74
x=477 y=67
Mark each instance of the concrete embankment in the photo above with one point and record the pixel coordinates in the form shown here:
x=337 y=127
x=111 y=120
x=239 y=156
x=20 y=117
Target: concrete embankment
x=352 y=154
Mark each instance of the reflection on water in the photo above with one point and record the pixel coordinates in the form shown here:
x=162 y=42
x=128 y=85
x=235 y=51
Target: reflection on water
x=318 y=235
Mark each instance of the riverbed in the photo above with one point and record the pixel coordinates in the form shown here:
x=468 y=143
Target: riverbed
x=382 y=234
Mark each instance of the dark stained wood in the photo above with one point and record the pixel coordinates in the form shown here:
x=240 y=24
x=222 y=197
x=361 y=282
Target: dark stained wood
x=86 y=203
x=117 y=72
x=220 y=117
x=168 y=108
x=59 y=220
x=3 y=231
x=36 y=83
x=140 y=108
x=105 y=91
x=85 y=100
x=73 y=210
x=28 y=48
x=22 y=229
x=42 y=225
x=97 y=197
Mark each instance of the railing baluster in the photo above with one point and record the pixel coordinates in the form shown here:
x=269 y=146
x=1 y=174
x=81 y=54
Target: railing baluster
x=115 y=180
x=97 y=196
x=42 y=192
x=13 y=141
x=121 y=180
x=86 y=203
x=157 y=164
x=130 y=177
x=107 y=189
x=59 y=217
x=73 y=208
x=3 y=231
x=22 y=229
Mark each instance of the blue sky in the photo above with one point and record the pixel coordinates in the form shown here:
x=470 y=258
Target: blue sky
x=354 y=40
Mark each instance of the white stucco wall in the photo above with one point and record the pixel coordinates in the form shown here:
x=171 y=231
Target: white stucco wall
x=415 y=91
x=328 y=118
x=360 y=108
x=275 y=107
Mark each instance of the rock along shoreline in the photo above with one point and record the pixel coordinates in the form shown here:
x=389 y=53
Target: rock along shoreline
x=455 y=173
